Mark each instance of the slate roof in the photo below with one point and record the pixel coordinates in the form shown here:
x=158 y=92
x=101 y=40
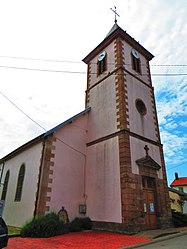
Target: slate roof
x=116 y=31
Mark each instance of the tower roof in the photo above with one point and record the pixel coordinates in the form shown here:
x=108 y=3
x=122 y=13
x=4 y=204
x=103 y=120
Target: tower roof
x=116 y=31
x=114 y=27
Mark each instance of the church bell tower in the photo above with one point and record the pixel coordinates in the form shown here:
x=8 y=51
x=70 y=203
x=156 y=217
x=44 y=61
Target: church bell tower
x=126 y=185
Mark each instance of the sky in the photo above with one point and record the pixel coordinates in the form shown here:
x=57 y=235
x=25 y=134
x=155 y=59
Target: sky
x=43 y=78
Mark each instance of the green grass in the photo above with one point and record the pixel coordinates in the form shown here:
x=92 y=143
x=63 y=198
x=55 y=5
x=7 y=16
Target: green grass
x=13 y=230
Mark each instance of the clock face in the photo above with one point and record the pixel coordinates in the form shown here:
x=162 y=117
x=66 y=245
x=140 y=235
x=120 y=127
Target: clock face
x=101 y=56
x=135 y=53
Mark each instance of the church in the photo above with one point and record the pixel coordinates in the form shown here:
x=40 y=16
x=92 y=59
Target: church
x=106 y=162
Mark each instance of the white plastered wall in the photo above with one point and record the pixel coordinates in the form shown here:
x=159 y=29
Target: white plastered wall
x=17 y=213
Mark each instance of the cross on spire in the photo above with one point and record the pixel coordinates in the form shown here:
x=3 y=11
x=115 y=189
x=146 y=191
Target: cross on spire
x=146 y=150
x=116 y=14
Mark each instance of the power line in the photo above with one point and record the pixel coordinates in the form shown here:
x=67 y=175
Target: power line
x=77 y=62
x=39 y=124
x=42 y=70
x=176 y=166
x=38 y=59
x=79 y=72
x=22 y=111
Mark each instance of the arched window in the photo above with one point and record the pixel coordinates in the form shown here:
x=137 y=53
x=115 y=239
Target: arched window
x=101 y=63
x=20 y=183
x=136 y=63
x=5 y=186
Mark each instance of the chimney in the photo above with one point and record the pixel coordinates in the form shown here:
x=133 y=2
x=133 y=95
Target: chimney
x=176 y=176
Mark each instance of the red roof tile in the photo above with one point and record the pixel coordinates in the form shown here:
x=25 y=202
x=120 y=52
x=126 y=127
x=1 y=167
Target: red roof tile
x=182 y=181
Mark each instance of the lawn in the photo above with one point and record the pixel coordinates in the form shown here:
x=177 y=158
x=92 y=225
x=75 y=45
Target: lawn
x=14 y=230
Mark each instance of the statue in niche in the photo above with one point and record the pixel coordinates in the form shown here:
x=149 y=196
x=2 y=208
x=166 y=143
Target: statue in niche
x=63 y=215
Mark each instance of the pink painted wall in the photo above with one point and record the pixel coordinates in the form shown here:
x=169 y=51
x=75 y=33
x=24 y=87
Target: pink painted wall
x=142 y=125
x=69 y=167
x=138 y=124
x=102 y=118
x=103 y=182
x=137 y=152
x=127 y=49
x=110 y=66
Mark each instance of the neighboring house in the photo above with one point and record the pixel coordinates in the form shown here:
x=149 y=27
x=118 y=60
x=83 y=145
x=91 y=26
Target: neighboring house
x=180 y=183
x=177 y=199
x=106 y=162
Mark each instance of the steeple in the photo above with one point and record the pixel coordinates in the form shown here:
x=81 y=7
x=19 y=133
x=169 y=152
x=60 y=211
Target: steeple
x=114 y=27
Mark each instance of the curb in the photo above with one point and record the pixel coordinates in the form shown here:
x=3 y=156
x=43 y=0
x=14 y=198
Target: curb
x=158 y=239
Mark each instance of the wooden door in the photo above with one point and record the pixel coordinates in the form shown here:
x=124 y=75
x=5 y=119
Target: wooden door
x=149 y=201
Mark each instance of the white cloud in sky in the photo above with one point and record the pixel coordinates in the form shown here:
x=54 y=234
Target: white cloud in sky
x=184 y=123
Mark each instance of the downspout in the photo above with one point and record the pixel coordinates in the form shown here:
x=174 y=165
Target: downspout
x=39 y=181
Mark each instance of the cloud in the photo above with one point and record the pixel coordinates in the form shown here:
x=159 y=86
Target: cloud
x=183 y=123
x=173 y=147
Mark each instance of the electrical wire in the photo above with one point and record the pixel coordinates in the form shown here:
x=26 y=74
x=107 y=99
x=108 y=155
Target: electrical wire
x=77 y=62
x=39 y=124
x=176 y=166
x=38 y=59
x=54 y=134
x=78 y=72
x=22 y=111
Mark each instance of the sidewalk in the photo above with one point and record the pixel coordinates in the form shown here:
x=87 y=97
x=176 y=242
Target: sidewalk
x=154 y=234
x=159 y=235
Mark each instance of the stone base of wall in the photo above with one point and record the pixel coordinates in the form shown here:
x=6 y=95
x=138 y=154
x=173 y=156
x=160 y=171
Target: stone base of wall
x=117 y=227
x=166 y=223
x=128 y=229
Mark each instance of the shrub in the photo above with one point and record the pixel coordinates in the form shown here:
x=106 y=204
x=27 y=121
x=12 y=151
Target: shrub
x=87 y=223
x=179 y=219
x=44 y=226
x=79 y=224
x=50 y=225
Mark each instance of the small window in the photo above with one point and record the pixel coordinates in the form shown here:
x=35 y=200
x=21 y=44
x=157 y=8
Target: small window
x=5 y=186
x=181 y=189
x=140 y=106
x=148 y=182
x=20 y=183
x=101 y=63
x=136 y=64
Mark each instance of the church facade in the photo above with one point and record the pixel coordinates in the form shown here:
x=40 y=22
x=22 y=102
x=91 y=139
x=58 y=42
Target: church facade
x=106 y=162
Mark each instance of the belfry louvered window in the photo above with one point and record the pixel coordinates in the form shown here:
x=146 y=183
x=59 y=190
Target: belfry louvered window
x=136 y=63
x=101 y=63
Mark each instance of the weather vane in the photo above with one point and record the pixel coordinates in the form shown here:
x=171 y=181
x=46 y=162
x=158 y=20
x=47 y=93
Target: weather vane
x=116 y=14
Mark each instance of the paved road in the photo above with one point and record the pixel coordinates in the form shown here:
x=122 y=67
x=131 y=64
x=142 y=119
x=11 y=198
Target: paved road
x=174 y=243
